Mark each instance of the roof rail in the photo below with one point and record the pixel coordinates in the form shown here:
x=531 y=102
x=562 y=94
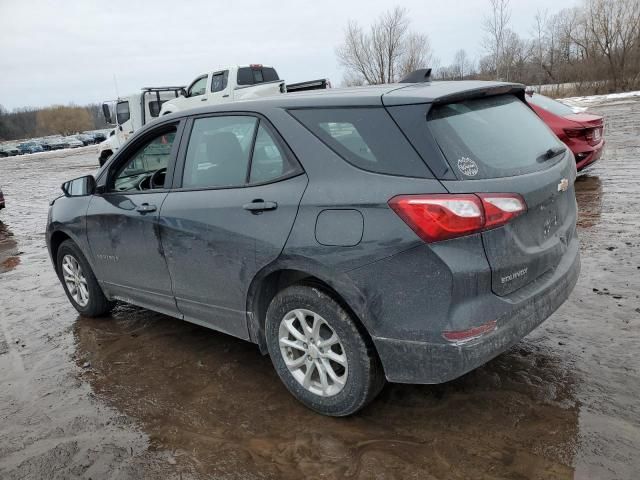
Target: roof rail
x=422 y=75
x=160 y=89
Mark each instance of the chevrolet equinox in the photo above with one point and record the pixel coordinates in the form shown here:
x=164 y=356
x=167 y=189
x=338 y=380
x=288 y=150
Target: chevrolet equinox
x=406 y=232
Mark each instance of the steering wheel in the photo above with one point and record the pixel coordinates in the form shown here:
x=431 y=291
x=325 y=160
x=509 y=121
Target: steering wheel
x=157 y=178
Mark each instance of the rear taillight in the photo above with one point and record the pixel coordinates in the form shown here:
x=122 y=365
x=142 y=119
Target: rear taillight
x=574 y=132
x=440 y=217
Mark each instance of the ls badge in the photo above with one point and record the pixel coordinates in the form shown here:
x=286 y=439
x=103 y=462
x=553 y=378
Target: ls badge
x=563 y=185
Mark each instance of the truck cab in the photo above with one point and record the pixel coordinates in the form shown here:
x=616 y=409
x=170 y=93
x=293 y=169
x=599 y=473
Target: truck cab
x=131 y=112
x=227 y=84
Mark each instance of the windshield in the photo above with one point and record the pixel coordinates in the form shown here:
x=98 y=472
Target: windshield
x=550 y=105
x=492 y=137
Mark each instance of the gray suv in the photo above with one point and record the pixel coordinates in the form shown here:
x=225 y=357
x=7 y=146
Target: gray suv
x=406 y=232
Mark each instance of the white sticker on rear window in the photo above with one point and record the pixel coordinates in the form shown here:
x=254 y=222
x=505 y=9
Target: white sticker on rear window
x=468 y=166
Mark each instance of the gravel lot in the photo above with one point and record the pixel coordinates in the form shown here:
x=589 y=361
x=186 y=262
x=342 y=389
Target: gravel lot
x=142 y=395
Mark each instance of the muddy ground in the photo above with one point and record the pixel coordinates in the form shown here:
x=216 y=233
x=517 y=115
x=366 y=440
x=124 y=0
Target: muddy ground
x=142 y=395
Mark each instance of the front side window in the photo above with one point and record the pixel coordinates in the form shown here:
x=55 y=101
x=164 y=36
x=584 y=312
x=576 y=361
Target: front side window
x=366 y=138
x=122 y=112
x=198 y=87
x=218 y=151
x=219 y=81
x=146 y=168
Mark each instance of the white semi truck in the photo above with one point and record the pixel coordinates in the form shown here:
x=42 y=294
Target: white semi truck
x=130 y=113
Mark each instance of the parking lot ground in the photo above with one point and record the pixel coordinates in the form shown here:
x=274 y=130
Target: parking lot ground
x=142 y=395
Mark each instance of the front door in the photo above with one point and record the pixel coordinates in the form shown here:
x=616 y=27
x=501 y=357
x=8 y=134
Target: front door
x=122 y=223
x=231 y=215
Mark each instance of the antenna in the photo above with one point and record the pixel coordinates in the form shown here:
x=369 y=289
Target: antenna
x=422 y=75
x=115 y=83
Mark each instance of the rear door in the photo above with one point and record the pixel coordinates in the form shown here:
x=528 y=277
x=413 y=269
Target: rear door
x=236 y=198
x=497 y=144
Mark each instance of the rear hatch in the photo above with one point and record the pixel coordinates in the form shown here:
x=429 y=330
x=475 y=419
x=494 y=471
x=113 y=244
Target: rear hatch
x=497 y=144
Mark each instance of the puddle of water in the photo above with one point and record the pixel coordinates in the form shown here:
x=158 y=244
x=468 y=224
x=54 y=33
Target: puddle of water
x=218 y=403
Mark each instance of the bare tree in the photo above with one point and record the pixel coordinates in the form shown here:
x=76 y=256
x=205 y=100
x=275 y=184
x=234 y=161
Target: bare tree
x=615 y=27
x=495 y=25
x=385 y=53
x=461 y=64
x=540 y=21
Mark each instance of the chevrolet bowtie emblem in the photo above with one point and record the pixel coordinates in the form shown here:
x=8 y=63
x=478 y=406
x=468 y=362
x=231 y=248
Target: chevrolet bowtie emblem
x=563 y=185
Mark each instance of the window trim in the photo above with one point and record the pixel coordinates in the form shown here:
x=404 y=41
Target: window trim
x=124 y=155
x=178 y=172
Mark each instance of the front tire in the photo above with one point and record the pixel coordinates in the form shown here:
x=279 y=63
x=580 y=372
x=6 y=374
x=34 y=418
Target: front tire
x=79 y=282
x=319 y=353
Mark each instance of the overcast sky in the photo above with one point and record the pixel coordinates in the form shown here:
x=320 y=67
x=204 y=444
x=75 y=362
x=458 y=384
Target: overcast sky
x=59 y=52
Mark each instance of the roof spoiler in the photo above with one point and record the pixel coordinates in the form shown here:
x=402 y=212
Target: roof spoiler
x=422 y=75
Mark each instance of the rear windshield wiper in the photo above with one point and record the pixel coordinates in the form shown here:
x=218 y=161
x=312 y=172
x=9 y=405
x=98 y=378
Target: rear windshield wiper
x=551 y=153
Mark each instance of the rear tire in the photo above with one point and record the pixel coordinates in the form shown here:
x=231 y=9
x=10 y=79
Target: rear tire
x=79 y=282
x=328 y=365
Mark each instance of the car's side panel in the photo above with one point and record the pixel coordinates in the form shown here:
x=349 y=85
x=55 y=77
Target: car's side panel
x=126 y=247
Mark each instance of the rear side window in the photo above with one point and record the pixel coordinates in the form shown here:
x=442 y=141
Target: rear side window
x=491 y=137
x=154 y=107
x=550 y=105
x=254 y=75
x=366 y=138
x=269 y=161
x=219 y=81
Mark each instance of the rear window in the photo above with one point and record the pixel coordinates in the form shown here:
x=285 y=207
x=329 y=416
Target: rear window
x=492 y=137
x=366 y=138
x=549 y=104
x=252 y=76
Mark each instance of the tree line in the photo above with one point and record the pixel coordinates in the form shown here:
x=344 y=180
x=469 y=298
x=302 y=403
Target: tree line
x=590 y=48
x=25 y=123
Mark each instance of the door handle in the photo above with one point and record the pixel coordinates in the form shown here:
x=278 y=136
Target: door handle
x=259 y=205
x=203 y=99
x=146 y=208
x=226 y=95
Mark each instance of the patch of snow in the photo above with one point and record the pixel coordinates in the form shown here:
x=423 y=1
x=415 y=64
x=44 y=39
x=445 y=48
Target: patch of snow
x=583 y=102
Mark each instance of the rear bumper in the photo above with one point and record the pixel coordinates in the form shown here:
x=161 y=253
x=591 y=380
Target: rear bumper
x=428 y=362
x=587 y=157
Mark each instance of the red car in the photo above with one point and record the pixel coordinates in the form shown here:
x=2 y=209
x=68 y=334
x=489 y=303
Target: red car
x=581 y=132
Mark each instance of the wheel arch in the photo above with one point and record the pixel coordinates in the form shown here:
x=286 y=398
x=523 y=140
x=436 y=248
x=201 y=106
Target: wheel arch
x=56 y=238
x=284 y=273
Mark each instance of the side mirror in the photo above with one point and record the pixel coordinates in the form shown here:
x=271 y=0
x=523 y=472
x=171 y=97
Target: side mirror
x=106 y=112
x=183 y=92
x=79 y=187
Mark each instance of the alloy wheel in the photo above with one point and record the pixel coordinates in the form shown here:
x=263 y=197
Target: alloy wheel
x=313 y=353
x=75 y=280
